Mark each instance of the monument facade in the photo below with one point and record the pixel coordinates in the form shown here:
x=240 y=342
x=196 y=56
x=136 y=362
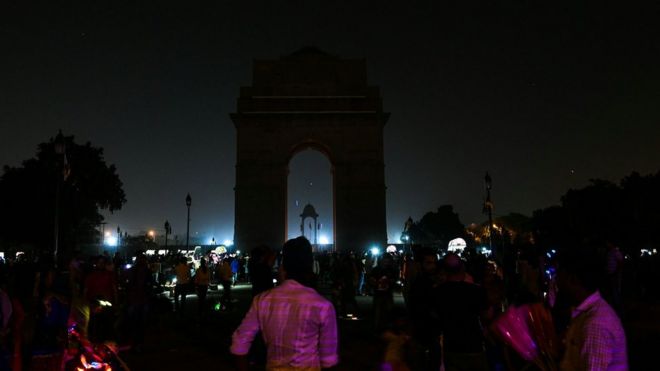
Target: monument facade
x=310 y=99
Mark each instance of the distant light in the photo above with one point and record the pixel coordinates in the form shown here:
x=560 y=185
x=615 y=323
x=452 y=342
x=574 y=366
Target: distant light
x=275 y=281
x=110 y=241
x=228 y=242
x=128 y=266
x=375 y=251
x=152 y=233
x=107 y=234
x=456 y=245
x=391 y=249
x=238 y=252
x=324 y=240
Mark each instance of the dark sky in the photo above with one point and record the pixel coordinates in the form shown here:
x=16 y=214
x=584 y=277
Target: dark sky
x=544 y=97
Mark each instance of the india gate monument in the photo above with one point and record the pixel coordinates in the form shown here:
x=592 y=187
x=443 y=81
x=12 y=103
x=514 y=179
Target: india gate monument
x=310 y=100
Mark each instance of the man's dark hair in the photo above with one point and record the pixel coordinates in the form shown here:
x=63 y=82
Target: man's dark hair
x=584 y=263
x=298 y=260
x=423 y=252
x=453 y=263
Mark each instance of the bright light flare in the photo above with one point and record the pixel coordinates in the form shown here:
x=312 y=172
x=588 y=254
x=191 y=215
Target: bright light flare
x=375 y=251
x=111 y=241
x=323 y=240
x=228 y=242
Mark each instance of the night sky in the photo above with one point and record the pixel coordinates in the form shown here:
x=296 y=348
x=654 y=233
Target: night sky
x=544 y=97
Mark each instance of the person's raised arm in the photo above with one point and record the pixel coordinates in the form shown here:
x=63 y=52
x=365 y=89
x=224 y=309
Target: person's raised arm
x=244 y=335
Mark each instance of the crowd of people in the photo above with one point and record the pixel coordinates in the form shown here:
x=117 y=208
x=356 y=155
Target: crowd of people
x=453 y=312
x=107 y=298
x=449 y=315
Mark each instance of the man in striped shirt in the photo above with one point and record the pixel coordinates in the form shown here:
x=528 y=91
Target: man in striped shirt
x=297 y=324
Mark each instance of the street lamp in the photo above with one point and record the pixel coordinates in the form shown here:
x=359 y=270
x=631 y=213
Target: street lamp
x=406 y=233
x=118 y=239
x=188 y=203
x=488 y=208
x=60 y=148
x=168 y=230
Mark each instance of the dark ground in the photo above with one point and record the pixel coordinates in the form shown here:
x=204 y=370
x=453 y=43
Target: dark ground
x=191 y=344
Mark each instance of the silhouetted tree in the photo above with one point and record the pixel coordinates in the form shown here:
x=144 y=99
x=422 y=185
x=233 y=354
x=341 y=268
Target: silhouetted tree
x=28 y=193
x=627 y=214
x=437 y=228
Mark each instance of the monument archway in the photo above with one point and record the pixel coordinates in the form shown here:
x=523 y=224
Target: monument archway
x=310 y=99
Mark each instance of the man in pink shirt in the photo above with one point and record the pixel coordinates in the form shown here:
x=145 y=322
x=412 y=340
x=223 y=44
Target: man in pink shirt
x=297 y=324
x=595 y=339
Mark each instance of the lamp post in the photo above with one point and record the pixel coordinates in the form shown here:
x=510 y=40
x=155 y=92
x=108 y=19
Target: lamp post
x=488 y=207
x=168 y=230
x=60 y=148
x=118 y=239
x=406 y=231
x=188 y=203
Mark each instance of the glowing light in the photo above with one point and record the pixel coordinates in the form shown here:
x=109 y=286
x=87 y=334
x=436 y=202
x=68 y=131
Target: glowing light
x=238 y=252
x=391 y=249
x=107 y=234
x=110 y=241
x=375 y=251
x=228 y=242
x=323 y=240
x=456 y=245
x=151 y=233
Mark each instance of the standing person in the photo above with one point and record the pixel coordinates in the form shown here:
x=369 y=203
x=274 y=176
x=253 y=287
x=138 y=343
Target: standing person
x=348 y=279
x=462 y=309
x=202 y=279
x=261 y=270
x=382 y=279
x=614 y=276
x=138 y=292
x=234 y=270
x=182 y=283
x=100 y=288
x=297 y=324
x=426 y=347
x=226 y=280
x=595 y=339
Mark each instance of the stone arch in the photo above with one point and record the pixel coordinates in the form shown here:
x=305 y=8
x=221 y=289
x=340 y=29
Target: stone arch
x=310 y=100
